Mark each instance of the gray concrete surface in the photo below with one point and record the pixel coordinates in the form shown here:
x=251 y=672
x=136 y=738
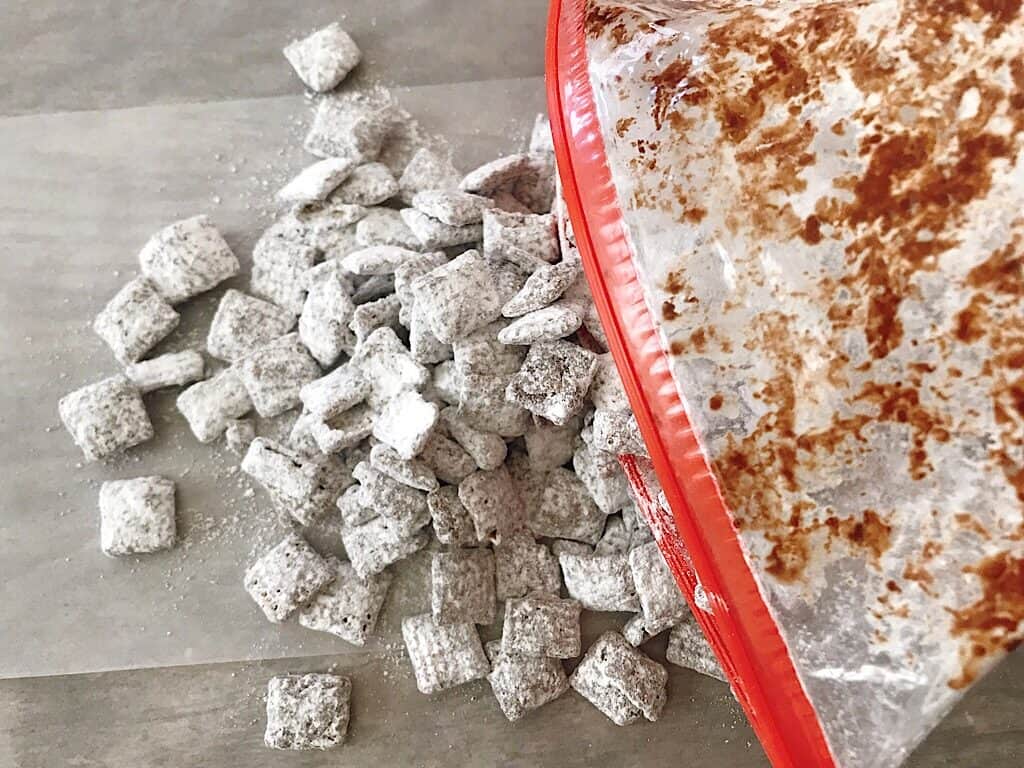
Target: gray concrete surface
x=119 y=117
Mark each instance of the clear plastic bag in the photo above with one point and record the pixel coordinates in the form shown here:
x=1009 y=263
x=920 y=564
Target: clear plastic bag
x=801 y=224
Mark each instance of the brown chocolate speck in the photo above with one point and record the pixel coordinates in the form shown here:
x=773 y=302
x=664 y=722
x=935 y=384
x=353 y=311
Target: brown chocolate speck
x=623 y=124
x=668 y=310
x=811 y=232
x=715 y=402
x=992 y=624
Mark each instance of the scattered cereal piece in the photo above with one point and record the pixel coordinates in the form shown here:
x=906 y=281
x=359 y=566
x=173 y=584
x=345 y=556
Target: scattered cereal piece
x=368 y=317
x=541 y=626
x=368 y=184
x=278 y=271
x=384 y=226
x=326 y=226
x=279 y=469
x=425 y=347
x=545 y=285
x=600 y=582
x=106 y=418
x=446 y=458
x=462 y=586
x=452 y=524
x=315 y=182
x=405 y=506
x=239 y=435
x=536 y=187
x=135 y=320
x=344 y=430
x=375 y=545
x=405 y=423
x=620 y=681
x=349 y=125
x=434 y=233
x=274 y=374
x=662 y=602
x=244 y=323
x=530 y=241
x=412 y=268
x=553 y=380
x=524 y=683
x=414 y=473
x=523 y=566
x=565 y=509
x=307 y=711
x=426 y=170
x=549 y=445
x=445 y=381
x=688 y=648
x=617 y=432
x=174 y=369
x=546 y=324
x=602 y=474
x=324 y=58
x=353 y=511
x=187 y=258
x=606 y=390
x=137 y=516
x=347 y=607
x=443 y=655
x=483 y=369
x=487 y=449
x=489 y=177
x=457 y=298
x=373 y=288
x=616 y=539
x=377 y=259
x=491 y=499
x=451 y=206
x=287 y=577
x=635 y=632
x=388 y=366
x=336 y=392
x=209 y=405
x=326 y=313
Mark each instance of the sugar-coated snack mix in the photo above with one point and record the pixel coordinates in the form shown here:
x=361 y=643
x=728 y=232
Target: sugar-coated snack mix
x=324 y=58
x=174 y=369
x=348 y=607
x=524 y=683
x=210 y=404
x=369 y=184
x=620 y=680
x=452 y=523
x=600 y=582
x=315 y=182
x=443 y=655
x=239 y=435
x=287 y=577
x=187 y=258
x=458 y=297
x=137 y=516
x=491 y=499
x=326 y=313
x=275 y=373
x=414 y=473
x=662 y=602
x=307 y=711
x=452 y=206
x=378 y=543
x=541 y=626
x=135 y=320
x=278 y=269
x=106 y=418
x=462 y=586
x=553 y=380
x=565 y=509
x=523 y=566
x=243 y=323
x=336 y=392
x=688 y=648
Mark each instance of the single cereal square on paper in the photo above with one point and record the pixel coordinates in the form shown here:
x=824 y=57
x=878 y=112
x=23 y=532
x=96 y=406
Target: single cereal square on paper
x=243 y=323
x=137 y=515
x=275 y=373
x=287 y=577
x=106 y=418
x=621 y=681
x=541 y=626
x=307 y=711
x=443 y=655
x=209 y=405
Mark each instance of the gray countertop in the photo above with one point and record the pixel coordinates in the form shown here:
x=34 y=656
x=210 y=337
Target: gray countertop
x=117 y=117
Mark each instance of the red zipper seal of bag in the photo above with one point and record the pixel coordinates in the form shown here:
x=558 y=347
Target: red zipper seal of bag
x=706 y=549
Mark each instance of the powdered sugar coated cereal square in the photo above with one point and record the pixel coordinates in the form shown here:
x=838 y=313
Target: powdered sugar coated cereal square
x=274 y=374
x=458 y=298
x=187 y=258
x=368 y=184
x=427 y=170
x=530 y=241
x=287 y=577
x=209 y=405
x=565 y=510
x=244 y=323
x=553 y=380
x=541 y=626
x=662 y=602
x=278 y=270
x=523 y=566
x=106 y=418
x=347 y=607
x=171 y=370
x=350 y=125
x=326 y=313
x=452 y=524
x=600 y=582
x=384 y=226
x=524 y=683
x=491 y=499
x=376 y=544
x=620 y=680
x=434 y=233
x=135 y=320
x=137 y=516
x=307 y=711
x=324 y=58
x=443 y=655
x=405 y=423
x=462 y=586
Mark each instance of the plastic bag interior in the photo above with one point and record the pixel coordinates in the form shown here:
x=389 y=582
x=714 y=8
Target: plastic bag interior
x=825 y=206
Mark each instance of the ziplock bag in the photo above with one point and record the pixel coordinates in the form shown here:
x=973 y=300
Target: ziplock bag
x=802 y=226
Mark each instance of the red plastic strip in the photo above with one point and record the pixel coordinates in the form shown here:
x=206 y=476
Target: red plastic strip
x=741 y=628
